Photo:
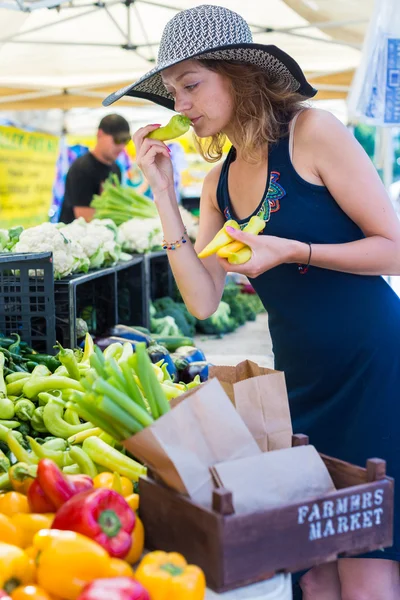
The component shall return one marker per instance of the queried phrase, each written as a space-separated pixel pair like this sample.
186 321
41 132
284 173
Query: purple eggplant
187 371
104 342
189 353
157 353
129 334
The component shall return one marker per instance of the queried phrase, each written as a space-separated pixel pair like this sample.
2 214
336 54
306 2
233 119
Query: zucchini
172 343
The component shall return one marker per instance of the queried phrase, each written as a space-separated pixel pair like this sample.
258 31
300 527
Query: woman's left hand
267 252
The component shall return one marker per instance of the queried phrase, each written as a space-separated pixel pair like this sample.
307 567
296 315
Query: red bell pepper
52 487
102 515
4 595
38 501
118 588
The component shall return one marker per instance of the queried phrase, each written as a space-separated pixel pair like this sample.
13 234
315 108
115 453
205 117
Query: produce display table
277 588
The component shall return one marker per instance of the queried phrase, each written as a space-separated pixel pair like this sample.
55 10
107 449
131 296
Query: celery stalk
122 400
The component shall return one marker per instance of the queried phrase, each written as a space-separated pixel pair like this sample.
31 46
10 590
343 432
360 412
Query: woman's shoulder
318 123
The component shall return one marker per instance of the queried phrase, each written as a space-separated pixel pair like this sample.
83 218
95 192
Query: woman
330 233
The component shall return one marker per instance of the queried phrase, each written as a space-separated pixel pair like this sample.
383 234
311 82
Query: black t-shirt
84 180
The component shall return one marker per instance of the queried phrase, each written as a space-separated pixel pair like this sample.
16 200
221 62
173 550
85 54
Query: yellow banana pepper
9 532
137 547
240 257
167 575
254 226
29 525
67 561
113 481
16 568
222 238
12 503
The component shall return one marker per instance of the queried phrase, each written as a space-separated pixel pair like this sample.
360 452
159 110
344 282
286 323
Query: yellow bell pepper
16 567
167 575
119 568
9 532
114 481
133 501
137 547
31 592
29 525
67 561
13 503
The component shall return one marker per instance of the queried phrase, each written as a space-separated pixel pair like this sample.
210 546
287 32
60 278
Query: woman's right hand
153 158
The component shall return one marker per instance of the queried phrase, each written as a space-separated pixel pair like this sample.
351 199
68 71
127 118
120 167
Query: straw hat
212 32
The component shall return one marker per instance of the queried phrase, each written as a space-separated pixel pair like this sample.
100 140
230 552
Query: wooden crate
236 550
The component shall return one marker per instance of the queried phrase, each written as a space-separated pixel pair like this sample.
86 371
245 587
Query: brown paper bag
201 430
260 397
274 478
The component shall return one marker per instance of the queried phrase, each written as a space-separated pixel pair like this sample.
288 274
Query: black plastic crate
27 298
102 298
161 280
132 299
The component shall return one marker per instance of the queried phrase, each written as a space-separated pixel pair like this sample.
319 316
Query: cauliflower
190 222
4 240
98 240
48 238
141 235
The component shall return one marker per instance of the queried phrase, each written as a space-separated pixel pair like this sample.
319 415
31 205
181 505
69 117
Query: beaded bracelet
175 245
304 268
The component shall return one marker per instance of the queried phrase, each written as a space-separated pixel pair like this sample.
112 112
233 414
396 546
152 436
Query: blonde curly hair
263 109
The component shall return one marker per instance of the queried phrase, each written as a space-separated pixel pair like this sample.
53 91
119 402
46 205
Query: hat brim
270 58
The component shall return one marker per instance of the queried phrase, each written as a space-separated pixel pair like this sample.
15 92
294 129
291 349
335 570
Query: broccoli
220 322
164 326
184 320
231 296
248 307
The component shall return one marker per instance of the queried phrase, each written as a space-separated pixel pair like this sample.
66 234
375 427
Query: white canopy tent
74 54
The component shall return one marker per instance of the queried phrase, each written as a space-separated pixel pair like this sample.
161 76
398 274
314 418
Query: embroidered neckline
270 203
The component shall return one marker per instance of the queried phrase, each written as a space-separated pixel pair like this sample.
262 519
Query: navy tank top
335 335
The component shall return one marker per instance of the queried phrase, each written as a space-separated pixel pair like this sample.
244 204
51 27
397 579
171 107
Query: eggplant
104 342
190 353
157 353
187 371
129 334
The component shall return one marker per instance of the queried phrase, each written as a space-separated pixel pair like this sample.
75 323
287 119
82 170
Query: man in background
87 173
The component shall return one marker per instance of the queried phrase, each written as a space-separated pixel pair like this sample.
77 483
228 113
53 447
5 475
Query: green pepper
35 385
51 362
22 455
16 377
45 397
15 347
37 420
7 408
56 444
3 388
24 409
55 423
24 428
177 126
83 460
67 357
15 387
4 462
41 371
61 458
10 424
71 417
5 482
102 454
72 469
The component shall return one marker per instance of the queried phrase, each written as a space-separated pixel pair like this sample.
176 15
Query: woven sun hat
212 32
